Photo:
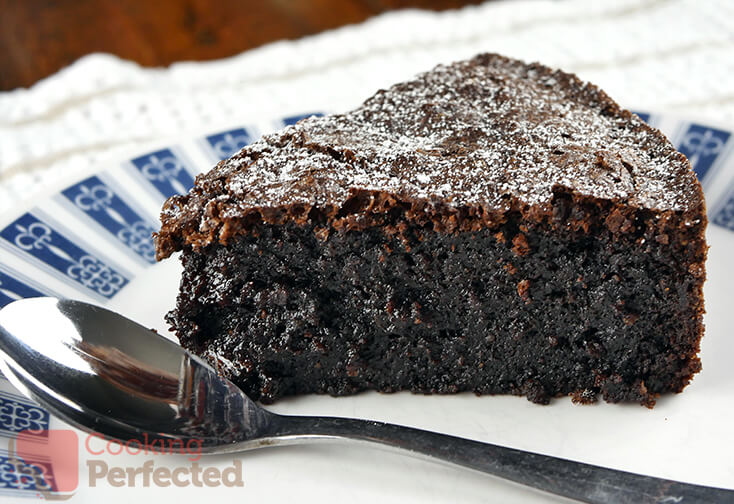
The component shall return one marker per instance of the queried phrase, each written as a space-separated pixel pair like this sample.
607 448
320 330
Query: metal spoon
104 373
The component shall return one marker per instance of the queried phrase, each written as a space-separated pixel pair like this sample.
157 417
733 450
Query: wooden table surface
38 37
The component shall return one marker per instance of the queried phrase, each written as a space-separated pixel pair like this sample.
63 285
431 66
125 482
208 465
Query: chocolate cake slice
490 226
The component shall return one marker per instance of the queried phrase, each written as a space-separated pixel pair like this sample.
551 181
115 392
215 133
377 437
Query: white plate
90 240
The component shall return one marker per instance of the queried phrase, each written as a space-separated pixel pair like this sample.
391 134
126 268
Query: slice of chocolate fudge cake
490 226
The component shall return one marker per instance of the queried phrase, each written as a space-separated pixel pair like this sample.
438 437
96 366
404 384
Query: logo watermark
47 461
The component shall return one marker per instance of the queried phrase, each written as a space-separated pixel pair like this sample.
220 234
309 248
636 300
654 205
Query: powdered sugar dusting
470 133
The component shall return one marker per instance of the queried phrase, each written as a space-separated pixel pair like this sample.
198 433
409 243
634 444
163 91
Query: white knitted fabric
670 56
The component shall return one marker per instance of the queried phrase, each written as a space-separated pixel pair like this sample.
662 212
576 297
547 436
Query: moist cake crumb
490 225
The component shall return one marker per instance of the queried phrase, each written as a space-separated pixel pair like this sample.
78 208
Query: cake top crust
478 133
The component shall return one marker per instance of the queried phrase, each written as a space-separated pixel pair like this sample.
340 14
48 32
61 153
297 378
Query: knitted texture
672 56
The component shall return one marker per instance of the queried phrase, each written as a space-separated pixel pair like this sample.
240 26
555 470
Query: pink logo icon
47 460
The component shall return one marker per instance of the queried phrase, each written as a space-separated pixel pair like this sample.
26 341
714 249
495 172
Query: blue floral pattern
17 474
37 238
294 119
227 143
643 115
12 289
101 203
725 215
166 171
17 415
702 145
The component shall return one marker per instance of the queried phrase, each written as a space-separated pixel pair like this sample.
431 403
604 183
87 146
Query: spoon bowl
104 373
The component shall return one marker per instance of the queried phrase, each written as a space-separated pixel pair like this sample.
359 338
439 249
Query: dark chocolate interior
587 298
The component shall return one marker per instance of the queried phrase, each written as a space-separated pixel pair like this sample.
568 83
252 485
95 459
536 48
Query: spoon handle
576 480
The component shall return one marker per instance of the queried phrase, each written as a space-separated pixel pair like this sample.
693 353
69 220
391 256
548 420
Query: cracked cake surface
468 135
534 164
